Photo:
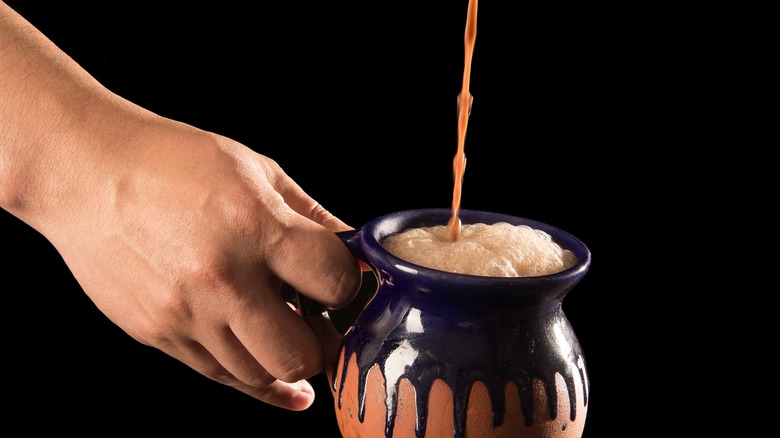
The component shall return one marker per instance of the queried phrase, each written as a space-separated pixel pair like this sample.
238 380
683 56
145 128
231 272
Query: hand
181 237
186 246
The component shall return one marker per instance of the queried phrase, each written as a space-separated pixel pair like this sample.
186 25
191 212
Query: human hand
186 247
181 237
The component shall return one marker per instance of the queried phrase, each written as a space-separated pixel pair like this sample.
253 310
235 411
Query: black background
357 102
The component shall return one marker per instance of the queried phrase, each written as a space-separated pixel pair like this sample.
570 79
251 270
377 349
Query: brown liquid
465 99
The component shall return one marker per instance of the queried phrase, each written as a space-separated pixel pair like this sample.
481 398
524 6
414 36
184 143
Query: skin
180 236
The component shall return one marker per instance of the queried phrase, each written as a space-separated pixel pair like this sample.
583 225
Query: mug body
435 353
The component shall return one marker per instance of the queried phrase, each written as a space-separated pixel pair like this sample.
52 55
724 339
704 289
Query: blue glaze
423 324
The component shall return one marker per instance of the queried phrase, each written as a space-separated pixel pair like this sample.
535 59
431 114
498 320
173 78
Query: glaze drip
423 337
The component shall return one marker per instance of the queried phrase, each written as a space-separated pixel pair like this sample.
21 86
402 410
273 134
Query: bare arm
180 236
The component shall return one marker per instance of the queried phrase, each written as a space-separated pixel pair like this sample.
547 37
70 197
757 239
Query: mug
435 353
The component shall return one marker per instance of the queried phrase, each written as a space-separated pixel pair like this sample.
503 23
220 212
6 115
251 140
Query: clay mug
439 354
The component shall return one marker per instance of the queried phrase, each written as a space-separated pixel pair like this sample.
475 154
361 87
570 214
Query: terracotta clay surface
440 414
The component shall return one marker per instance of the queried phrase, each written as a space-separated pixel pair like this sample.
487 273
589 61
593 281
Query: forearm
54 120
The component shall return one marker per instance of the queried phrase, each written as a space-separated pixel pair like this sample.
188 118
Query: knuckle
298 367
260 378
219 374
150 332
347 285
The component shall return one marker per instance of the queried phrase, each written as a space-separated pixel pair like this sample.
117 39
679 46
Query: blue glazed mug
435 354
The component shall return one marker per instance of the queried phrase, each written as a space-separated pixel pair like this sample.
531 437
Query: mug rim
382 226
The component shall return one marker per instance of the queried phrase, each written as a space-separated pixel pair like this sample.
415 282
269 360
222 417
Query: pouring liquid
465 100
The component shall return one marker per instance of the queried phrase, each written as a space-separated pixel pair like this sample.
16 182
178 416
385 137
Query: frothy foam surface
495 250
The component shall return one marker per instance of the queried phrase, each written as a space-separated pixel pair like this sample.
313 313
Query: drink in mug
490 250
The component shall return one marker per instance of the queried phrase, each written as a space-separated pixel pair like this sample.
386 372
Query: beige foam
495 250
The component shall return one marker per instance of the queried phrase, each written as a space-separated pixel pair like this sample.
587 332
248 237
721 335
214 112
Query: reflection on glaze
400 359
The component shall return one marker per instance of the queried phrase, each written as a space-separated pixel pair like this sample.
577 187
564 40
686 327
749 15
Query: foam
497 250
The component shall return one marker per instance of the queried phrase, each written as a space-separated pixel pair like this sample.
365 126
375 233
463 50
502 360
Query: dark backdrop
357 102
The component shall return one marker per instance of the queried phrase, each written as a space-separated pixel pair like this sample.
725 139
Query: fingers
296 396
328 273
329 338
310 257
262 347
319 214
230 364
303 204
287 348
246 335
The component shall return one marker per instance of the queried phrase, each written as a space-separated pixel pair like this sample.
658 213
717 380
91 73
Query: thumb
315 262
310 256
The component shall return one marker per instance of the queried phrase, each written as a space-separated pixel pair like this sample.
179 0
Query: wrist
57 121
